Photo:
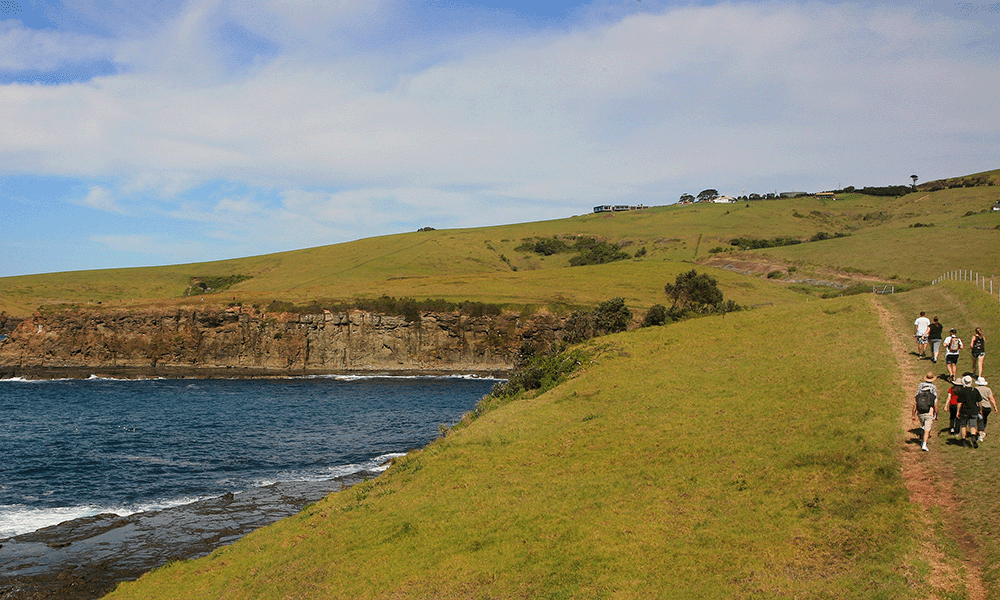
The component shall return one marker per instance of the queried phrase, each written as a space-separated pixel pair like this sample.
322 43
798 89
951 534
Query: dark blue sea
76 448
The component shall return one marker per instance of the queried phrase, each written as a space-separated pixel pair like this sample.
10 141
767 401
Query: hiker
920 327
953 409
978 344
925 406
968 411
988 404
952 346
934 338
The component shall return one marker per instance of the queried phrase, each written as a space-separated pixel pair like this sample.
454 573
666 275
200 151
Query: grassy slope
894 248
469 264
709 459
962 306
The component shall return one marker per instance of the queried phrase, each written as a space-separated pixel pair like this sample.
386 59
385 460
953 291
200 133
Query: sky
175 131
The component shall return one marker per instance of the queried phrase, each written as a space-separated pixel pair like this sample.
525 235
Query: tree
686 198
914 178
709 194
691 291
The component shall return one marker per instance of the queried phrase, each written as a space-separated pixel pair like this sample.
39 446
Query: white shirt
922 323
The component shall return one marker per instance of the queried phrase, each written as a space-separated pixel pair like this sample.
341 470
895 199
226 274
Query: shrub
599 254
656 315
580 326
775 275
612 316
748 243
540 373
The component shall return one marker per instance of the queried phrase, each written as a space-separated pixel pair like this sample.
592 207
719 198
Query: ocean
77 448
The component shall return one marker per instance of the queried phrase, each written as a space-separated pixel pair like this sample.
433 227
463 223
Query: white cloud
23 49
386 129
100 199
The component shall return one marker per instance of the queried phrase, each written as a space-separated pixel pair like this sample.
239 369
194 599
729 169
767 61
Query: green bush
612 316
540 373
599 254
656 315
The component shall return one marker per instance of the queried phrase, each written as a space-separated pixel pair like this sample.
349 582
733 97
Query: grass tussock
713 458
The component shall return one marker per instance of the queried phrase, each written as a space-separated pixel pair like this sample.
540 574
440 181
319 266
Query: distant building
826 196
723 200
618 208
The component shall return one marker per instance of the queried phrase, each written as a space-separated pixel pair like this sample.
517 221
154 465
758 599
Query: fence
973 278
885 289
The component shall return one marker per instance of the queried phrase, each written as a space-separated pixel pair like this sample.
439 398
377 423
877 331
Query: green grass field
976 473
715 458
755 455
483 264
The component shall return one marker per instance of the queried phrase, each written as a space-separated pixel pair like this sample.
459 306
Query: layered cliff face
238 338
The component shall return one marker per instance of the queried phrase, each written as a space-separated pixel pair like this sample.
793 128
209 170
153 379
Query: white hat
981 381
967 381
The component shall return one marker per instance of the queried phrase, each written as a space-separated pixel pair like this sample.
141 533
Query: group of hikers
970 400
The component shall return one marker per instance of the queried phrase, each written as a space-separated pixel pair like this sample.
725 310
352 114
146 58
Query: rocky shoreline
86 558
197 372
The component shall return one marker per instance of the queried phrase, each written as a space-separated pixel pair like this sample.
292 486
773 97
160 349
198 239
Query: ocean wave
17 519
369 377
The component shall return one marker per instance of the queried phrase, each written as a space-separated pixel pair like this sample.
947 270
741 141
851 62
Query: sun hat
967 381
931 377
981 381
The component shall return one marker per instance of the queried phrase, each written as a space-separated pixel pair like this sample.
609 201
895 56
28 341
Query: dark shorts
969 422
951 359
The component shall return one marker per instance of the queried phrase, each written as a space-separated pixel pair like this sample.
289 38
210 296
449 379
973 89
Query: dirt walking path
929 479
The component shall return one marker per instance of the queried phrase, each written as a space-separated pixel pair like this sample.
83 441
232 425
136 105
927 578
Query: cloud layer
302 123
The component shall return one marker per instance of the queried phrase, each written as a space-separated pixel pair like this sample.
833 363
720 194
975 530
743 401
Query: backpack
955 344
925 400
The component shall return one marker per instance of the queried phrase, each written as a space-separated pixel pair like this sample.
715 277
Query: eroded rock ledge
237 342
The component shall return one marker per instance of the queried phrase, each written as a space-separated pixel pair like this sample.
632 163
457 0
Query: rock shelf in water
86 558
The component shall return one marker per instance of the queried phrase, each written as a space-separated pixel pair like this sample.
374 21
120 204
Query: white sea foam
16 519
23 380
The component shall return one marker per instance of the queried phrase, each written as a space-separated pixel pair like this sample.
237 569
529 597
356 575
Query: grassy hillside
756 455
484 264
977 476
714 458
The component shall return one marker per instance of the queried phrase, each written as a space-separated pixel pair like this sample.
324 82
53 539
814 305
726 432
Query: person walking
920 327
978 344
969 411
934 335
925 407
952 346
988 404
953 409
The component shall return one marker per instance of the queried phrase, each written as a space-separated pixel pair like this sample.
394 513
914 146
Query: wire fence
980 281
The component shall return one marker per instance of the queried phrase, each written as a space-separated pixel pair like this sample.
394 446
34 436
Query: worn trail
929 479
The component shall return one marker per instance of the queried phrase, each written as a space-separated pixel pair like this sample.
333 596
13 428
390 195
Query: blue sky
162 132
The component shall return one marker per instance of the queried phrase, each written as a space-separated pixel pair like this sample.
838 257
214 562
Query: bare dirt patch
929 482
755 264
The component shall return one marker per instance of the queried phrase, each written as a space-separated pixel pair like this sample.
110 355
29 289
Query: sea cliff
239 341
